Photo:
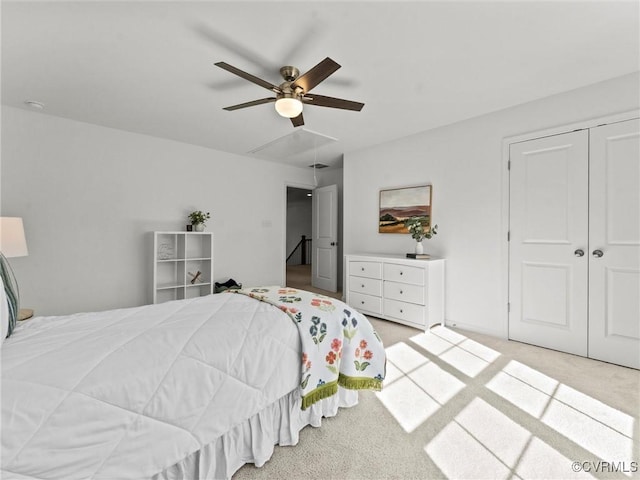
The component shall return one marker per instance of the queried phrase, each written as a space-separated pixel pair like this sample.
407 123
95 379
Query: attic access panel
298 141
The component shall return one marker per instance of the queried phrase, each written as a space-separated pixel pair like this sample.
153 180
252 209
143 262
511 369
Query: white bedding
186 389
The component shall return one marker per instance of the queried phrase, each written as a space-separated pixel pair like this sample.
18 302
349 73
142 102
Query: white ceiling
147 67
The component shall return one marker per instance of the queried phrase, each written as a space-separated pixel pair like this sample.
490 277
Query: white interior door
614 233
548 250
324 266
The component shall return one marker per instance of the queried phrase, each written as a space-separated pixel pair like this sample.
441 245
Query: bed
189 389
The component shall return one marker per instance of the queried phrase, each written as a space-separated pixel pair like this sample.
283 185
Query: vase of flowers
418 231
198 220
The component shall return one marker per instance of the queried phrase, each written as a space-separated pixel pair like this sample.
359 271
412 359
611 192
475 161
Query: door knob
333 244
597 253
579 252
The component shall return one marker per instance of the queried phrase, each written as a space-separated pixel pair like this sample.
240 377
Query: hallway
299 276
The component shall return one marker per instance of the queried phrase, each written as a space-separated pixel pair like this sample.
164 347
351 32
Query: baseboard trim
476 329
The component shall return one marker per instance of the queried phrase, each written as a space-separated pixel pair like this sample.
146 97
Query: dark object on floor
230 284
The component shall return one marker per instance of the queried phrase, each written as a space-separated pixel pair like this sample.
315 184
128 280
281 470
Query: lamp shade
289 107
12 240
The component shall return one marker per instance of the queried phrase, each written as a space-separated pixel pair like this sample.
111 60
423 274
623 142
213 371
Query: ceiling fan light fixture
289 107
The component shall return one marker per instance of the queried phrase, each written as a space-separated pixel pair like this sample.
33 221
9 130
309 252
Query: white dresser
396 288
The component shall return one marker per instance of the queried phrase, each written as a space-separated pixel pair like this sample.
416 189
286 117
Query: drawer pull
363 269
400 272
362 302
400 292
362 286
401 311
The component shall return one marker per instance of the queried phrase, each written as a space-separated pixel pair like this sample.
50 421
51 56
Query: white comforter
129 393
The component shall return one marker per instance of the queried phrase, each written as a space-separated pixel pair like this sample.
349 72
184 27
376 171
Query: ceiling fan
293 93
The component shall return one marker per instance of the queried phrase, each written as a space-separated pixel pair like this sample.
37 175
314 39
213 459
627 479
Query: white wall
464 163
90 195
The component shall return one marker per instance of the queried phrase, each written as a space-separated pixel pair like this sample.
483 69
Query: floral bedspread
339 345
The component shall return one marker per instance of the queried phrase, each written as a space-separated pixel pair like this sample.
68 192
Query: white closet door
614 230
548 248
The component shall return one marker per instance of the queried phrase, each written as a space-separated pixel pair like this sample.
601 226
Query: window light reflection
462 353
408 403
478 461
415 388
600 429
404 357
495 446
519 393
491 442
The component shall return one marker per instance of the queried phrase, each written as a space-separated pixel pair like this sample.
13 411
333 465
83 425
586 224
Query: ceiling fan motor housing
289 73
287 91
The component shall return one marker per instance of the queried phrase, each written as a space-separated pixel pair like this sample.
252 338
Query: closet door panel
614 243
548 225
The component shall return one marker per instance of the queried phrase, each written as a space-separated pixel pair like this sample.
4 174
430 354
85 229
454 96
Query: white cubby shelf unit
177 257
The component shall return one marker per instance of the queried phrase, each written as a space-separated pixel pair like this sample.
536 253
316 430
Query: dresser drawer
366 269
406 312
370 286
365 303
404 292
403 273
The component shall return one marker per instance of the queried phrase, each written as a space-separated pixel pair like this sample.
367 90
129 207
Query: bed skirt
253 441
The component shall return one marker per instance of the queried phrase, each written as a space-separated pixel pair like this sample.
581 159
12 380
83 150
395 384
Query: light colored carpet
299 276
463 405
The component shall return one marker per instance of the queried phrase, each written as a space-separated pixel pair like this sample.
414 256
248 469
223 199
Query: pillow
8 299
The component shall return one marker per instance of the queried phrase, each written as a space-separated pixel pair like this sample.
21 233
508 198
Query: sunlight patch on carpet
519 393
404 357
436 383
408 403
478 462
495 446
488 439
415 388
462 353
600 429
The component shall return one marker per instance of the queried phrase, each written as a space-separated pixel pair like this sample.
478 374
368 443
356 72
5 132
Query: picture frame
399 204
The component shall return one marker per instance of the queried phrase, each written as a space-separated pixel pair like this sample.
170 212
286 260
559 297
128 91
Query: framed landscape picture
399 204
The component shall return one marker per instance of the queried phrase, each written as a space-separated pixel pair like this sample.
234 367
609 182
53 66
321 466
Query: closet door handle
579 253
597 253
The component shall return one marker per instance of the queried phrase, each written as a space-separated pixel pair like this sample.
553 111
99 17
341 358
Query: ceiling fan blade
248 76
316 75
234 47
250 104
297 121
322 101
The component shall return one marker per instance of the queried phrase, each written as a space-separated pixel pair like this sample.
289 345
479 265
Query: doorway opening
298 248
299 245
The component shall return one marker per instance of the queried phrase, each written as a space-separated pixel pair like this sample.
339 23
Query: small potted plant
198 219
418 232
